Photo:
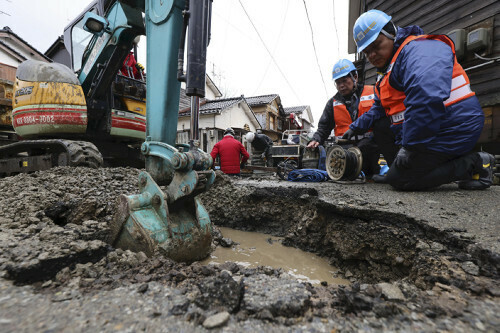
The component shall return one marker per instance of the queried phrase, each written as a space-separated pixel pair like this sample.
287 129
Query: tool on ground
308 175
344 164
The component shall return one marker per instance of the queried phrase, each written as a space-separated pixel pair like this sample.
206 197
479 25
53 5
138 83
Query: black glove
402 160
242 165
349 134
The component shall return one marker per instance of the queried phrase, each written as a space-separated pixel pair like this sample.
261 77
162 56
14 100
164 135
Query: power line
314 47
275 46
2 12
267 49
336 31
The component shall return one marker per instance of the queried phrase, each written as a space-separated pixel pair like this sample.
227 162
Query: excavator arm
173 221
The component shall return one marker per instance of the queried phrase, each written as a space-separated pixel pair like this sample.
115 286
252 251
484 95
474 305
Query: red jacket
229 150
130 63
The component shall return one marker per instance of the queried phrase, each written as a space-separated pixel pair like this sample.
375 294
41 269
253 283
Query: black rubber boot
484 176
379 179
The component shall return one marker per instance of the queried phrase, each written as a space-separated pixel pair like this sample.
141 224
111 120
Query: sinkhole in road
367 245
253 249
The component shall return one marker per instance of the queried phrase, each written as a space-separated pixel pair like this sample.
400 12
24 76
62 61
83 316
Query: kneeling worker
261 142
350 102
426 94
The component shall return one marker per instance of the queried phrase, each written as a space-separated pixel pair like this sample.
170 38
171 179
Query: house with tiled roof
13 51
58 52
215 116
298 117
270 113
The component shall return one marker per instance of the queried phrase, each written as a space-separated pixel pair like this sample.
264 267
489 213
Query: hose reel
344 164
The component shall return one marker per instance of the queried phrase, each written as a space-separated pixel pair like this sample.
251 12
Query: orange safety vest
392 99
341 114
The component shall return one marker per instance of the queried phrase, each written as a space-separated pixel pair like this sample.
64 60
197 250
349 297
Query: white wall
8 60
21 49
209 94
235 116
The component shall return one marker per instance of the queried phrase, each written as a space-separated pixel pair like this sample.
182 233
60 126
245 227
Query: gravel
418 261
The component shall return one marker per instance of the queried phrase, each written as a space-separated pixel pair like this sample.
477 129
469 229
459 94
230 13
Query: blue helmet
368 26
342 68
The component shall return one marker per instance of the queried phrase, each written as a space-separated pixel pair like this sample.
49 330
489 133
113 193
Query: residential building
58 52
215 116
298 117
270 114
13 51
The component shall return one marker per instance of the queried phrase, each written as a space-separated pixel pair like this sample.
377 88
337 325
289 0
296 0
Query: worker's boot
484 176
379 179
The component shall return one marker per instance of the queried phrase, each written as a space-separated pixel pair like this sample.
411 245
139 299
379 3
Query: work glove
263 156
242 165
349 134
313 144
402 160
139 67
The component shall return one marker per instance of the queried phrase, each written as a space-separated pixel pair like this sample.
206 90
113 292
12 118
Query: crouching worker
229 150
263 143
426 94
350 102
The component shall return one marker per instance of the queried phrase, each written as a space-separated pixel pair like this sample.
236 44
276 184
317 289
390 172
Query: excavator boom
173 222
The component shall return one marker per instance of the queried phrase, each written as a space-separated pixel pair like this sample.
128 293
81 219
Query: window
280 124
182 137
79 41
271 122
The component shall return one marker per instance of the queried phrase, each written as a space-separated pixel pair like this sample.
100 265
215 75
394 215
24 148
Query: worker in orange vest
351 101
426 94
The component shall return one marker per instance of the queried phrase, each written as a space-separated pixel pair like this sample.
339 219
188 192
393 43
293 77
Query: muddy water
256 249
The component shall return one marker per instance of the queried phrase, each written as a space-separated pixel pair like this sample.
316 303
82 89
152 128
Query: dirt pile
54 240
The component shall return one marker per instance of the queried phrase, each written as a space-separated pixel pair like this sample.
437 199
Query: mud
410 268
253 249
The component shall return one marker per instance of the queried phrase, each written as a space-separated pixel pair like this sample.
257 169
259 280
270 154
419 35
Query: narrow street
415 261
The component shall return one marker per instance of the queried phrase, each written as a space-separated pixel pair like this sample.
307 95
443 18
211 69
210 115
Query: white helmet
229 131
250 136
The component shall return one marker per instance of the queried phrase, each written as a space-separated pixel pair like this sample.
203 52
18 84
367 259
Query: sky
257 47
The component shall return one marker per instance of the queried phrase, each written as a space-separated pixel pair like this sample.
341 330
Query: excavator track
36 155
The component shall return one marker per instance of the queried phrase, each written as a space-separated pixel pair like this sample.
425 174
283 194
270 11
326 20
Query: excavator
51 101
89 119
63 119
